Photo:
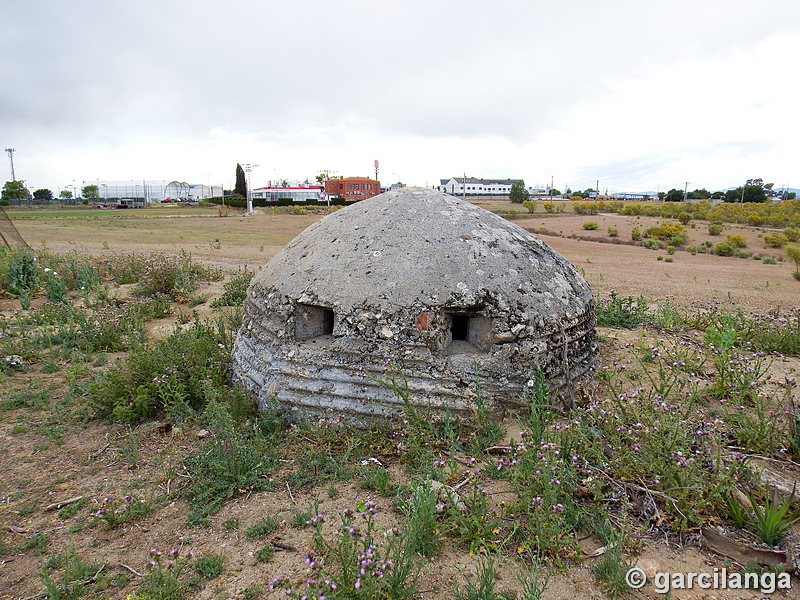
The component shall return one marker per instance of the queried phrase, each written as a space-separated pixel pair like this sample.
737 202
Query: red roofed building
352 188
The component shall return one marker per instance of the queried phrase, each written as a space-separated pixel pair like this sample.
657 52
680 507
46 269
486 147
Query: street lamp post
247 168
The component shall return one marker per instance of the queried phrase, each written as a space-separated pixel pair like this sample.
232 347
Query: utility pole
11 158
464 188
686 191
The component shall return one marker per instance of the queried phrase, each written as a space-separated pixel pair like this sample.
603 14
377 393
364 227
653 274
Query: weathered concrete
442 288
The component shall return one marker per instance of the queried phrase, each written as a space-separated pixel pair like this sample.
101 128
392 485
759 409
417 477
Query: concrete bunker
440 288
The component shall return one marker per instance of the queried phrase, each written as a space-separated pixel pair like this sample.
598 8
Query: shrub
670 250
585 208
768 260
793 252
234 290
613 231
549 207
672 232
636 235
776 240
622 313
530 205
590 225
651 244
238 458
792 234
209 566
724 249
19 274
737 240
754 219
684 218
179 374
715 229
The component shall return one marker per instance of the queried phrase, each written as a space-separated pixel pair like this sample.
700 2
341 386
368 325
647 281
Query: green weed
773 520
209 566
73 578
165 578
265 553
267 525
622 313
611 571
237 458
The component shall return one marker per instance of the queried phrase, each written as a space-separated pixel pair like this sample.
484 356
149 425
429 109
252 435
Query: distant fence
9 233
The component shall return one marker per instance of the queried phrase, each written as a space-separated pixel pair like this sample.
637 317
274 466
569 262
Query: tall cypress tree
241 182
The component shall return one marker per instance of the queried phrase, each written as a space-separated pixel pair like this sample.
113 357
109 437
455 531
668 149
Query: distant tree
15 191
702 194
789 195
240 189
752 191
519 192
553 192
718 196
90 192
65 195
43 195
674 195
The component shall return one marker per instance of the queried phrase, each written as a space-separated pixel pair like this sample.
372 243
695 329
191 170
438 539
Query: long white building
473 186
152 190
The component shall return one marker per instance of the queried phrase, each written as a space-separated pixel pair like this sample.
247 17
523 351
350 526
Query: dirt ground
41 465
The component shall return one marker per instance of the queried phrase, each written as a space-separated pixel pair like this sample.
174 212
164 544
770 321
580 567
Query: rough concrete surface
421 287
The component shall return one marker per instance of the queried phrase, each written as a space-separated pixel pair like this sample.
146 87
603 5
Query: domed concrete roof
440 284
410 245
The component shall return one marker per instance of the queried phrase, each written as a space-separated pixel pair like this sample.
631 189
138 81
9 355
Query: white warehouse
473 186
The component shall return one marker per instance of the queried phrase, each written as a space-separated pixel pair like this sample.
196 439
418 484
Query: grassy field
132 469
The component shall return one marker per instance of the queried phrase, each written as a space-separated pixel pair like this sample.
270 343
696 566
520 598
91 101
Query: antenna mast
11 158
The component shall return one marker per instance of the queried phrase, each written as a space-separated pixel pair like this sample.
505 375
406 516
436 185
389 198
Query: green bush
724 249
613 231
585 208
715 228
651 244
737 240
238 458
209 566
636 235
622 313
776 240
234 290
179 374
18 271
590 225
792 234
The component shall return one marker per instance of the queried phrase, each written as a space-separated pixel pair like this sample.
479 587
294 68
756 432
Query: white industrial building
472 186
150 190
297 193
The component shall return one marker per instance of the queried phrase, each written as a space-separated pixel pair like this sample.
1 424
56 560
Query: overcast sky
642 95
